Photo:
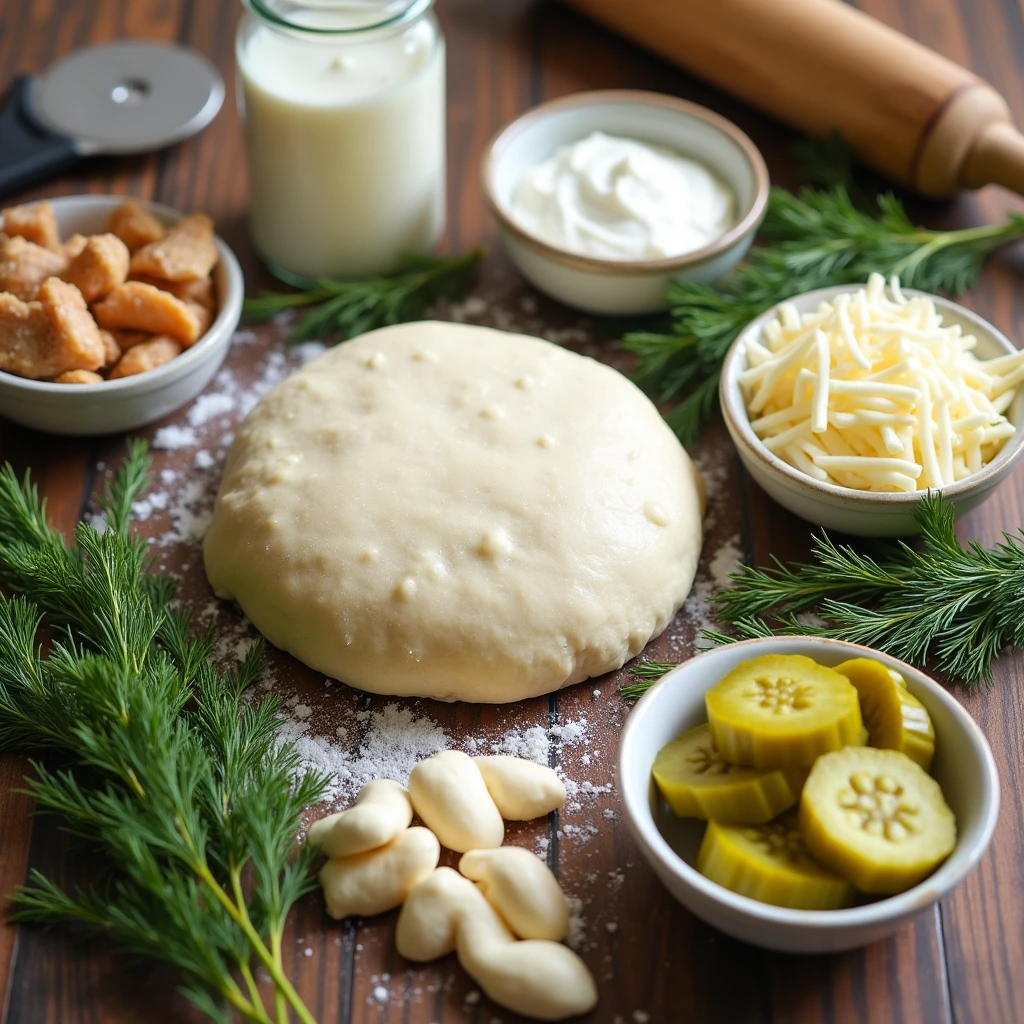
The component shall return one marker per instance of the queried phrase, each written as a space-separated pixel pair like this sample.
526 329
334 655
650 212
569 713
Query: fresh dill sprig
179 785
952 607
647 673
814 239
348 308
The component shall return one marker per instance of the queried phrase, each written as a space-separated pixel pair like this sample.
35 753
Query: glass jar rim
412 10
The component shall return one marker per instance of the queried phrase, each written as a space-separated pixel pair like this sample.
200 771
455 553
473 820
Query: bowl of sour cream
602 198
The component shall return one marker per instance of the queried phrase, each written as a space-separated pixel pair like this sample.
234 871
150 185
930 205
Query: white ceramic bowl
129 402
623 287
864 513
963 766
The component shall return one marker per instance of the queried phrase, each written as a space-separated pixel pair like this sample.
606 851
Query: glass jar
344 112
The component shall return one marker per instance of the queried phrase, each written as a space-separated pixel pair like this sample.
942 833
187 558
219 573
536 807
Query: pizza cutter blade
117 98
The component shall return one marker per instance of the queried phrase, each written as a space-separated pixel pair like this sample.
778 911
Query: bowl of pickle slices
806 795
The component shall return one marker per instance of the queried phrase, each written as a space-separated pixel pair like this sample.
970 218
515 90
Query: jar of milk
344 112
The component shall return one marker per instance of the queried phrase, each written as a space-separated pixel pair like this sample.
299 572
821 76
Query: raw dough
450 511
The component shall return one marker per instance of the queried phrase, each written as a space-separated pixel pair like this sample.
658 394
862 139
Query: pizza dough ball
449 511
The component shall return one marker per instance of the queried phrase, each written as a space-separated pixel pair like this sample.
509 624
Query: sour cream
621 199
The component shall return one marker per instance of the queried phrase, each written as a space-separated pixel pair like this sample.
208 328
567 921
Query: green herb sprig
814 239
348 308
647 673
174 780
942 605
952 607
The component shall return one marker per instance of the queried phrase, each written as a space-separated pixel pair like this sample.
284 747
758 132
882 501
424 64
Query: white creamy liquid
621 199
346 148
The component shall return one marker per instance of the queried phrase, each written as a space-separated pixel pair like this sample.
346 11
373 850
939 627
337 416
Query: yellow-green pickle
770 863
894 717
697 783
782 711
877 817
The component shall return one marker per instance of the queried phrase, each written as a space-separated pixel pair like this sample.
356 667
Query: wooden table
962 961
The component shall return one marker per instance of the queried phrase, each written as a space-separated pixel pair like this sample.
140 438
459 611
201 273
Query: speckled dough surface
450 511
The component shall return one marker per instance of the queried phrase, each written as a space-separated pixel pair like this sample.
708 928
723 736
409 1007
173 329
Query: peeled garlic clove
534 977
381 811
521 887
448 793
521 789
378 880
429 922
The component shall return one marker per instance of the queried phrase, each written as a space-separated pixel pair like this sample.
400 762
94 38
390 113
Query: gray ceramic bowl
963 766
623 287
130 402
863 513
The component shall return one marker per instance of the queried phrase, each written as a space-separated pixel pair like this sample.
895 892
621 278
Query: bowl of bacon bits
113 312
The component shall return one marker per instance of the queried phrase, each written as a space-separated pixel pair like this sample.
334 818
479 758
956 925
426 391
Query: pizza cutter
116 98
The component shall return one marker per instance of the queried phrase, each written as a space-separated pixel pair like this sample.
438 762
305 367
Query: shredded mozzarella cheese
874 392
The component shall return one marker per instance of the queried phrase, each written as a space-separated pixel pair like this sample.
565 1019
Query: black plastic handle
29 153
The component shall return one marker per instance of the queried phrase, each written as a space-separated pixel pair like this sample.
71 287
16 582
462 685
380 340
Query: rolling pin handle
996 158
29 153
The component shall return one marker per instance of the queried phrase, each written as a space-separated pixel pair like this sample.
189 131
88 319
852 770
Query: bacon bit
185 253
147 356
78 377
199 290
36 222
45 338
24 266
135 225
145 308
111 349
100 267
74 245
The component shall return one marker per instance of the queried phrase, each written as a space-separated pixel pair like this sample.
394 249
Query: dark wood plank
16 813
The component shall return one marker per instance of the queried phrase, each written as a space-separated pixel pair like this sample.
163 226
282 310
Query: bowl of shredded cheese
847 404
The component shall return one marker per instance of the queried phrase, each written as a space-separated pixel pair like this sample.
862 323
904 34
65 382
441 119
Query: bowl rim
222 327
745 225
738 421
949 874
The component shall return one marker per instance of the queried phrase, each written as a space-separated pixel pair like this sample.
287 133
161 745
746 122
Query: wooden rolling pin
820 65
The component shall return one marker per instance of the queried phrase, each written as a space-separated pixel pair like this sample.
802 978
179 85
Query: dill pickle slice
697 783
895 718
770 863
876 817
782 711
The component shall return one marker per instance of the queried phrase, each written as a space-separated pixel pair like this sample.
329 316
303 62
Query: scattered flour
172 437
698 608
145 507
309 350
577 936
209 406
532 744
391 741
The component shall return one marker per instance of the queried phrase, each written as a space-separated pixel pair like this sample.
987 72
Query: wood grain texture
962 962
